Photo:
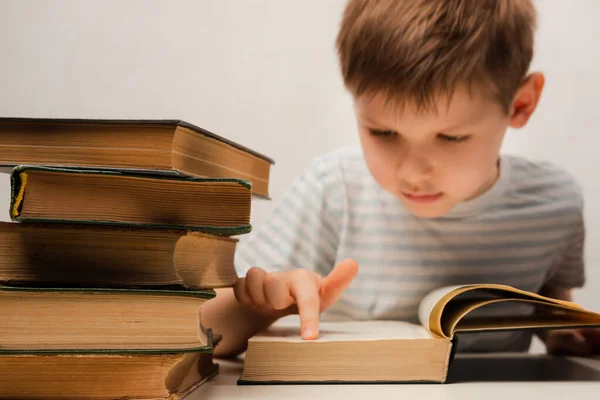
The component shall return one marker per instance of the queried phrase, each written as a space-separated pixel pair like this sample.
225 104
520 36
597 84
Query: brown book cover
114 256
166 145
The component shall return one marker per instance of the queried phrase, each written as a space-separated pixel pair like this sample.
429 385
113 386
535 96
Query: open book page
347 331
497 307
516 313
430 301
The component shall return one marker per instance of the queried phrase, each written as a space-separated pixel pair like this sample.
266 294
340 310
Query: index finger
305 290
337 281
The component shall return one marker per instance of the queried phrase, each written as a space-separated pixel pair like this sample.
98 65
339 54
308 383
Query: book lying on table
100 320
394 351
104 376
115 256
166 145
123 198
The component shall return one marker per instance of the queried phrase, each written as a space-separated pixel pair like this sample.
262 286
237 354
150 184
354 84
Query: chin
427 211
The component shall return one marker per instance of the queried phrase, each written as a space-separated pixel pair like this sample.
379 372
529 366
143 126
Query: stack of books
124 229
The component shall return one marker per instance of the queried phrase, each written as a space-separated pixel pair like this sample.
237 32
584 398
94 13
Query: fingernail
308 333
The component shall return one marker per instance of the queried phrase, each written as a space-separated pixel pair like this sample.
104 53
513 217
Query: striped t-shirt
526 231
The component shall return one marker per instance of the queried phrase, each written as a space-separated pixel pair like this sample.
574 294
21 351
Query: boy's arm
296 247
578 342
235 322
555 293
260 299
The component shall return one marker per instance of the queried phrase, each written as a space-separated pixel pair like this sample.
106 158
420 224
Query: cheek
380 160
470 167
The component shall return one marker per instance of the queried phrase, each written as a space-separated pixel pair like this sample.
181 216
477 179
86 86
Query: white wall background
264 73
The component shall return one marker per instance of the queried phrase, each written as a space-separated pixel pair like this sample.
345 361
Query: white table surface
224 386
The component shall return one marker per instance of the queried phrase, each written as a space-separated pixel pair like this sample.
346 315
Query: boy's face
433 160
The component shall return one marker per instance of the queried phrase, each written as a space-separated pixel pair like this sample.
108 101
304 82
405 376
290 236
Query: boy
426 201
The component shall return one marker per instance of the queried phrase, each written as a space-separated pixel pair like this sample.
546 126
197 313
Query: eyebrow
455 127
370 121
458 126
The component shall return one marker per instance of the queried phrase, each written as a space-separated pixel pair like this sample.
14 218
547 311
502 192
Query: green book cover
219 206
200 294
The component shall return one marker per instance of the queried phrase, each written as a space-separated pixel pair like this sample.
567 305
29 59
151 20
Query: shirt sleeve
302 230
570 271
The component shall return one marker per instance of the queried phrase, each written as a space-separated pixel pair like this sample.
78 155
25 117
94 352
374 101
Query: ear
526 99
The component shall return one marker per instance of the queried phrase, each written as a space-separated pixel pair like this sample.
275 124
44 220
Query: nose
414 168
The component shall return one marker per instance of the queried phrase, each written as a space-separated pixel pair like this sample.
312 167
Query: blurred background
264 73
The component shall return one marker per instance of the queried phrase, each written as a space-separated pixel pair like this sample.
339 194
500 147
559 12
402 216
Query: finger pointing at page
315 294
304 287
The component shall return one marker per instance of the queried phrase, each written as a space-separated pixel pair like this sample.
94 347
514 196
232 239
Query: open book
394 351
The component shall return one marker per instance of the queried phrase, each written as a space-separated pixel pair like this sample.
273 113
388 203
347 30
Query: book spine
18 181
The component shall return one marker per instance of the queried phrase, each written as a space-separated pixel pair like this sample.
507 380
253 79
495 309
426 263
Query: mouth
423 198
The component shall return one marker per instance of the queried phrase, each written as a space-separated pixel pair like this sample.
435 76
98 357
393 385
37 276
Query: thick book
166 145
395 351
100 320
217 205
98 255
124 375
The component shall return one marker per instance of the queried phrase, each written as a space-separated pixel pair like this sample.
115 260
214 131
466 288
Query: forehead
462 106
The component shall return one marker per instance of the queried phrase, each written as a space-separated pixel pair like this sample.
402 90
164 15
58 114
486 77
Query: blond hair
417 50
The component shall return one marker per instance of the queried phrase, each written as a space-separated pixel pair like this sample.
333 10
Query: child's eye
453 139
376 132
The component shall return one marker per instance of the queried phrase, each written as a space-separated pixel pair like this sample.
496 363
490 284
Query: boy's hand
583 342
297 291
